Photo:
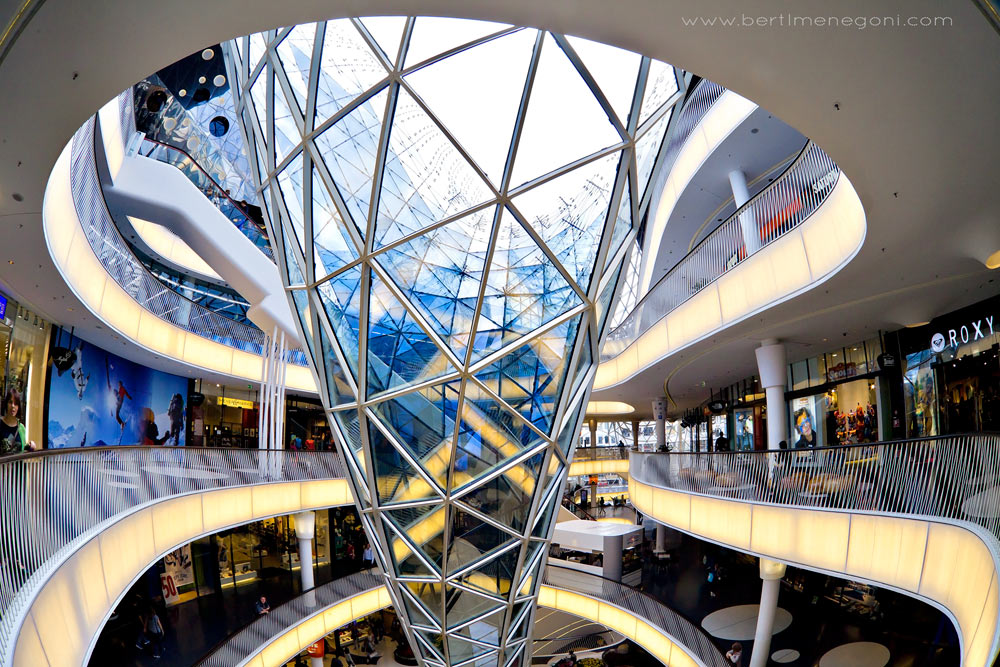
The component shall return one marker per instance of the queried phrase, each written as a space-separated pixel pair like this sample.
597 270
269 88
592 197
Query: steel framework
450 203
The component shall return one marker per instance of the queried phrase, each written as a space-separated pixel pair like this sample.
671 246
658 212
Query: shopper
154 630
12 435
368 556
735 655
263 606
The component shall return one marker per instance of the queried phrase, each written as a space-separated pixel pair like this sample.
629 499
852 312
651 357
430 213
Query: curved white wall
951 566
796 262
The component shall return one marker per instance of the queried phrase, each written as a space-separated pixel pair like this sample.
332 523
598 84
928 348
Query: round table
783 655
189 473
739 623
856 654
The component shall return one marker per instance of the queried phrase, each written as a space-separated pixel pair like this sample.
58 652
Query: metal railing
601 453
577 509
645 607
949 477
261 631
56 500
183 161
125 268
777 209
249 639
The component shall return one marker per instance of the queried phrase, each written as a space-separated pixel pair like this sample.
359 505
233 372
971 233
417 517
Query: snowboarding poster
97 399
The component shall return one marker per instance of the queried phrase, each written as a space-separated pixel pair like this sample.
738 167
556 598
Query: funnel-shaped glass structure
451 203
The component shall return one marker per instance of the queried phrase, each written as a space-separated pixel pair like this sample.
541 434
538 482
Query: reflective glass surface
459 198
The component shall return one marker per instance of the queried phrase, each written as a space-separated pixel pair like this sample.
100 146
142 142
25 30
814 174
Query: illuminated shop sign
3 307
236 403
966 333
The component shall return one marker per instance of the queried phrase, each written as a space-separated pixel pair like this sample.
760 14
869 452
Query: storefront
838 398
950 372
24 341
744 423
259 550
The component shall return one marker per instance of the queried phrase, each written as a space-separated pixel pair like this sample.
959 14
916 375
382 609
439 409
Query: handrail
164 152
247 639
57 500
783 205
124 267
615 453
578 510
644 606
947 477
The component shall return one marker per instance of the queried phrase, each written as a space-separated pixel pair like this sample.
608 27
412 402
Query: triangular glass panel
564 121
404 559
341 300
422 602
387 32
615 71
461 606
347 421
516 656
546 513
517 610
396 479
496 576
293 258
460 650
623 224
400 353
303 311
433 35
530 378
349 148
259 102
507 497
520 629
472 538
287 134
339 389
423 421
440 272
258 44
431 643
290 191
569 214
569 435
348 67
476 94
333 246
524 290
488 436
660 85
583 364
646 149
605 301
425 178
423 525
295 52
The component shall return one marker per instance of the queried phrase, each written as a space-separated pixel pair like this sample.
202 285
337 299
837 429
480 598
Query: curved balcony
797 232
289 629
920 517
599 460
99 266
90 521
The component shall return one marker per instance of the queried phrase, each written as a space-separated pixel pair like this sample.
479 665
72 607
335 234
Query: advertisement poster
97 399
178 575
805 433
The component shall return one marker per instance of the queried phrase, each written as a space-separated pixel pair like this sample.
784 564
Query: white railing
56 500
246 641
952 477
777 209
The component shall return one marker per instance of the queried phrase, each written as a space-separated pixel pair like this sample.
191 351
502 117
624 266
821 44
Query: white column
305 530
661 538
593 443
771 573
748 226
772 368
660 417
